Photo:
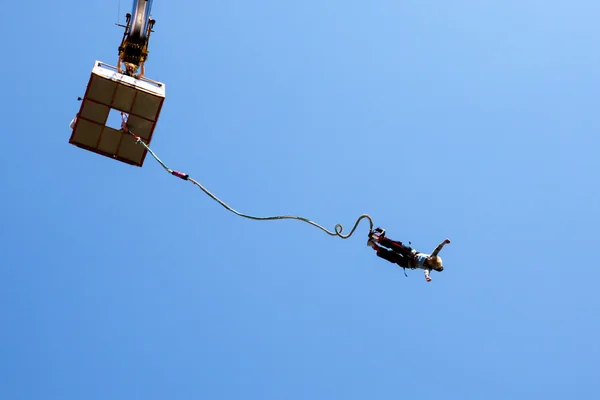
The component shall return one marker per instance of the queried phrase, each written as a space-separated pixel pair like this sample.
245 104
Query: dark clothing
393 257
396 246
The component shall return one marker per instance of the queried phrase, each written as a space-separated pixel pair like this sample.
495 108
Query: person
130 69
405 256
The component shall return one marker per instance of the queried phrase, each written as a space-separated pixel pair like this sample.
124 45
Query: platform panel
147 106
129 150
142 127
95 112
141 99
110 140
123 98
101 90
86 133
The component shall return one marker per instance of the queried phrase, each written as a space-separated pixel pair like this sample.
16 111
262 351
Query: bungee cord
338 229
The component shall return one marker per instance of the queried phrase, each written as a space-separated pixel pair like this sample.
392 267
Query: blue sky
472 120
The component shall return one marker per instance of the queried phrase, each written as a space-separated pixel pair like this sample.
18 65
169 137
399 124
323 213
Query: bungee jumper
405 256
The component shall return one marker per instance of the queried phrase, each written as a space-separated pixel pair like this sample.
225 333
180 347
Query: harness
412 262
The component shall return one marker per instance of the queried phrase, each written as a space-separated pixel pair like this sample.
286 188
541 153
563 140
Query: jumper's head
435 262
130 68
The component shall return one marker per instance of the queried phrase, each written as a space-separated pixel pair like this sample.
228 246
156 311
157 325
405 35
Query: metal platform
107 90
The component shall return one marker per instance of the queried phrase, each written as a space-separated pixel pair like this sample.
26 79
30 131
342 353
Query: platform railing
144 79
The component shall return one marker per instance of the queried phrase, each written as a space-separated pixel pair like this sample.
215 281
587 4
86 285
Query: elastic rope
338 227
